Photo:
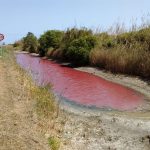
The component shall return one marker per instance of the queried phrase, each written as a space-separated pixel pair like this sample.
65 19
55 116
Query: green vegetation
127 53
77 44
49 40
49 118
30 43
54 143
46 105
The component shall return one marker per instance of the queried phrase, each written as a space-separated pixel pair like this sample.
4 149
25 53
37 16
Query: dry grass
46 106
127 53
121 60
49 117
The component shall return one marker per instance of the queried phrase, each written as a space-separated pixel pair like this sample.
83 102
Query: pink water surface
80 87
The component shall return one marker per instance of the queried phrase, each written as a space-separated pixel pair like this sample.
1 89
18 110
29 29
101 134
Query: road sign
1 49
1 37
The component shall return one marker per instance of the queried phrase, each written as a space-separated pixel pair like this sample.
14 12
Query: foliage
79 49
45 106
54 143
50 39
133 39
73 34
76 45
121 52
105 40
30 43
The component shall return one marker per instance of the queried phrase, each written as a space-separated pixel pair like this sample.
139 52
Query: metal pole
1 53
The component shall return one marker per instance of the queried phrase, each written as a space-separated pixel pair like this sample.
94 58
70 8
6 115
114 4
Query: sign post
1 49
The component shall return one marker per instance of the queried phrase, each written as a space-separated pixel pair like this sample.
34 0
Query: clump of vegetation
125 52
50 39
18 44
77 44
54 143
135 39
46 105
30 43
105 40
79 49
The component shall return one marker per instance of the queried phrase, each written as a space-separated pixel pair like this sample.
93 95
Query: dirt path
18 122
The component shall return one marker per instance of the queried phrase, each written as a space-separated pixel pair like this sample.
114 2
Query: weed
45 106
54 143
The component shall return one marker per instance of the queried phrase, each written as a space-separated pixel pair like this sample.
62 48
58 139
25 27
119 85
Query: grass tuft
45 105
54 143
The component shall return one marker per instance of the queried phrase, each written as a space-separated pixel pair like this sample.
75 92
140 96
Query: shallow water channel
79 87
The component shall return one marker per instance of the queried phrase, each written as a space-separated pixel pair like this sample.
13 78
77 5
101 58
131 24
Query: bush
105 40
127 52
77 44
50 39
72 34
79 49
122 60
30 43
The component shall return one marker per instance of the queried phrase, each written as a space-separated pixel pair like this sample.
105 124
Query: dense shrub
77 44
127 53
30 43
79 49
105 40
73 34
50 39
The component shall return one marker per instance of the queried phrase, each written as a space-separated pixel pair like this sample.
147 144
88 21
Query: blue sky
20 16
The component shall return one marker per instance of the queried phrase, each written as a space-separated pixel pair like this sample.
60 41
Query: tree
30 43
50 39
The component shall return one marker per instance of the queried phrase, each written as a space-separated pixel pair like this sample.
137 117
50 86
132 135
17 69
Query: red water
80 87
